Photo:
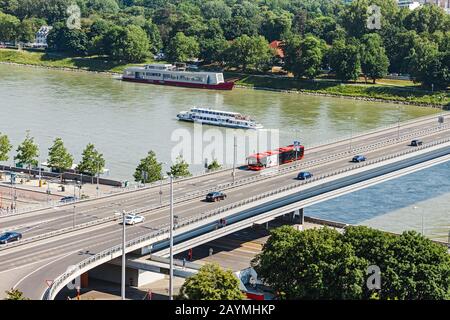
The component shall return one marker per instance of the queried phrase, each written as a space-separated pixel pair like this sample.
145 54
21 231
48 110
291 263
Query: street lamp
234 157
351 131
415 208
160 187
123 255
74 216
171 239
399 108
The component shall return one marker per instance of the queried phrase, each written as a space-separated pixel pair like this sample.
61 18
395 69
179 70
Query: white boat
219 118
171 75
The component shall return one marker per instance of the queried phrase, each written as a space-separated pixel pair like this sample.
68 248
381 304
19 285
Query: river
126 120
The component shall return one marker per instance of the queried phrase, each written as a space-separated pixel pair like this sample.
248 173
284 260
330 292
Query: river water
126 120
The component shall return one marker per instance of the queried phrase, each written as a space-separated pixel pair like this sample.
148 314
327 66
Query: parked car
359 158
68 199
215 196
9 237
416 143
132 219
304 175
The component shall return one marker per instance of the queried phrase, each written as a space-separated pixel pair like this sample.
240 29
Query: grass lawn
385 89
94 63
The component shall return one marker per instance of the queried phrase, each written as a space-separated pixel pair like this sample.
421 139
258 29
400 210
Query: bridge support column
84 279
298 216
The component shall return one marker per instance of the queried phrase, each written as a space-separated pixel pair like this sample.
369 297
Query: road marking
45 265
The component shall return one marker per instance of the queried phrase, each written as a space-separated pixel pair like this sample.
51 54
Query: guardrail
164 229
225 186
200 174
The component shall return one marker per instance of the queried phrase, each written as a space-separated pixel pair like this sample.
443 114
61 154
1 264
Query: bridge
87 234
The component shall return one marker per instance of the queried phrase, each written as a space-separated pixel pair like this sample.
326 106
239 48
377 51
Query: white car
133 219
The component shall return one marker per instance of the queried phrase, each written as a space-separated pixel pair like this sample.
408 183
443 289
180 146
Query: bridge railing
164 229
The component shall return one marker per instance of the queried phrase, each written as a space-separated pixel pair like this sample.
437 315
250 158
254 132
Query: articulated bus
259 161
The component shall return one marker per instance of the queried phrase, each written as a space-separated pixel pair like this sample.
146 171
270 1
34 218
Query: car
416 143
132 219
9 237
358 158
304 175
68 199
215 196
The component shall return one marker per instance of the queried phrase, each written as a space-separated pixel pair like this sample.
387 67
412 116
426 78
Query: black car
304 175
215 196
416 143
68 199
9 237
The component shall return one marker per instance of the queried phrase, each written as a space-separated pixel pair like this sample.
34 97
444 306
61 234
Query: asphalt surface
27 267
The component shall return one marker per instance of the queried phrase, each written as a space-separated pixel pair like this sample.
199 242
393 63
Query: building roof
277 45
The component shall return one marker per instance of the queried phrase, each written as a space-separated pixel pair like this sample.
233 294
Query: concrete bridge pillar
298 216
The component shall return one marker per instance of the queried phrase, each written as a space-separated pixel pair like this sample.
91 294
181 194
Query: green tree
15 294
429 66
345 61
428 18
131 44
5 147
182 48
249 52
27 152
313 264
180 168
374 62
211 283
70 41
149 169
276 24
214 165
154 36
92 161
303 57
28 29
9 27
58 157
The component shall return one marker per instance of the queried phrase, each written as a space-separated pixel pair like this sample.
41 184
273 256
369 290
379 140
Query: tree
58 157
5 147
211 283
428 18
28 29
154 36
249 52
131 44
345 61
276 24
15 294
103 6
429 66
27 152
322 263
180 168
182 48
374 62
304 57
214 165
92 161
9 27
149 169
313 264
70 41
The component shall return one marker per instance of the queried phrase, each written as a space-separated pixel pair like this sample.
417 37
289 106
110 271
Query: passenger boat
171 75
219 118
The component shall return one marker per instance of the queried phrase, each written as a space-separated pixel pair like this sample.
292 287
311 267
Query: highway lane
44 221
97 240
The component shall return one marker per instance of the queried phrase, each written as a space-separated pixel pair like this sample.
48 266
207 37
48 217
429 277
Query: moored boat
170 75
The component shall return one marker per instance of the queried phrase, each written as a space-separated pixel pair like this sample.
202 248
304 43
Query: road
28 266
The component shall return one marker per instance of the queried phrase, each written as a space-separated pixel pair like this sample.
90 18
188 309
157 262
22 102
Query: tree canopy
324 264
211 283
92 161
149 169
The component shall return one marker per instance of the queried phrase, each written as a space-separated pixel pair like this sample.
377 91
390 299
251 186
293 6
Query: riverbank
381 93
392 93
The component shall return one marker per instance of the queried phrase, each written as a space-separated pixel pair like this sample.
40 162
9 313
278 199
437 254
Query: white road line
45 265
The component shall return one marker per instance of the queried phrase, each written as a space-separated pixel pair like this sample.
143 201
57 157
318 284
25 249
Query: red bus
273 158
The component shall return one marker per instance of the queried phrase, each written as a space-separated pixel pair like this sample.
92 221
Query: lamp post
351 131
423 230
74 207
399 108
123 256
171 240
160 187
234 157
